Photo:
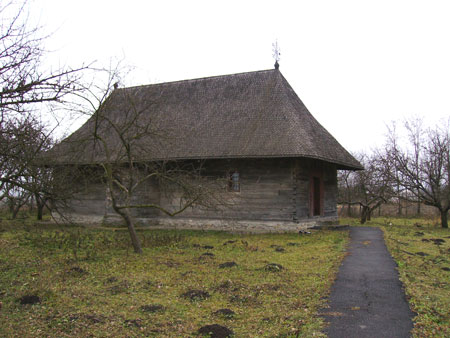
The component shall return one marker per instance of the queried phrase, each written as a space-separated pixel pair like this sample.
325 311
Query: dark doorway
316 196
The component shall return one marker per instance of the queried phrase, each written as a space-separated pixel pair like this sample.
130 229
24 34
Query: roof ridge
200 79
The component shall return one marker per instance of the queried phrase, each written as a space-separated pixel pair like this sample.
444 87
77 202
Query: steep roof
246 115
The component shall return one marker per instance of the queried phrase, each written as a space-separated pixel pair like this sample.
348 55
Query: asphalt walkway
367 299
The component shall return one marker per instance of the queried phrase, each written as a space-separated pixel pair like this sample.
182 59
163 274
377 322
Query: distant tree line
415 169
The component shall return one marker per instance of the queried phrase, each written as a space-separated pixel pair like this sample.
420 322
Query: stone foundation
231 225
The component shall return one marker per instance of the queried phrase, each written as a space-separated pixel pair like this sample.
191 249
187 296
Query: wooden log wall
270 190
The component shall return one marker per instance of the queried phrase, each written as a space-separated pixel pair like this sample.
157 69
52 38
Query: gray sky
356 64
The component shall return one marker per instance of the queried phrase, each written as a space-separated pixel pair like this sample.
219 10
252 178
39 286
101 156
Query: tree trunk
364 214
124 213
444 218
40 207
349 210
15 211
40 211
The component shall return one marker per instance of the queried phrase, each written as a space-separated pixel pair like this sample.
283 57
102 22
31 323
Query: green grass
92 284
424 269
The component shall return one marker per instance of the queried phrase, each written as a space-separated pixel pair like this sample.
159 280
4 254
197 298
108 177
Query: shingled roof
246 115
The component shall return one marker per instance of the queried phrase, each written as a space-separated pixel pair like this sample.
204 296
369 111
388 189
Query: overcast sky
357 65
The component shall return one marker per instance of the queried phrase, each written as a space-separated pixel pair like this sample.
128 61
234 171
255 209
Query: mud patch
152 308
196 295
229 242
227 265
77 271
436 241
206 256
215 331
133 322
29 300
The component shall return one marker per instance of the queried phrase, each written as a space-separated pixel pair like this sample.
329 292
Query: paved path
367 299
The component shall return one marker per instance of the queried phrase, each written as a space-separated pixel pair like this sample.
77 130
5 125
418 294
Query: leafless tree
22 174
26 87
122 143
346 187
368 188
23 80
16 198
424 165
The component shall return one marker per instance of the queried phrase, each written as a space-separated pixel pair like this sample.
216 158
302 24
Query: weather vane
276 53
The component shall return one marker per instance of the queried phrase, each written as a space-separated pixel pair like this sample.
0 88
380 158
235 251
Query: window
234 183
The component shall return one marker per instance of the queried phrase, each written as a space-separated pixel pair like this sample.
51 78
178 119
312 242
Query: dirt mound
198 246
229 242
76 271
29 299
152 308
437 241
206 255
227 265
133 322
215 331
195 295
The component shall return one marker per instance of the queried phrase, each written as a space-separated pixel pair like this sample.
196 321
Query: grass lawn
422 251
89 283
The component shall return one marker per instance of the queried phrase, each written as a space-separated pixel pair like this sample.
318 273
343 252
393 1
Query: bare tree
22 174
346 187
120 148
16 198
424 165
23 82
26 87
368 188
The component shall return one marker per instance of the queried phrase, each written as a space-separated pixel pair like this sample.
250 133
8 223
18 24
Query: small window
234 183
